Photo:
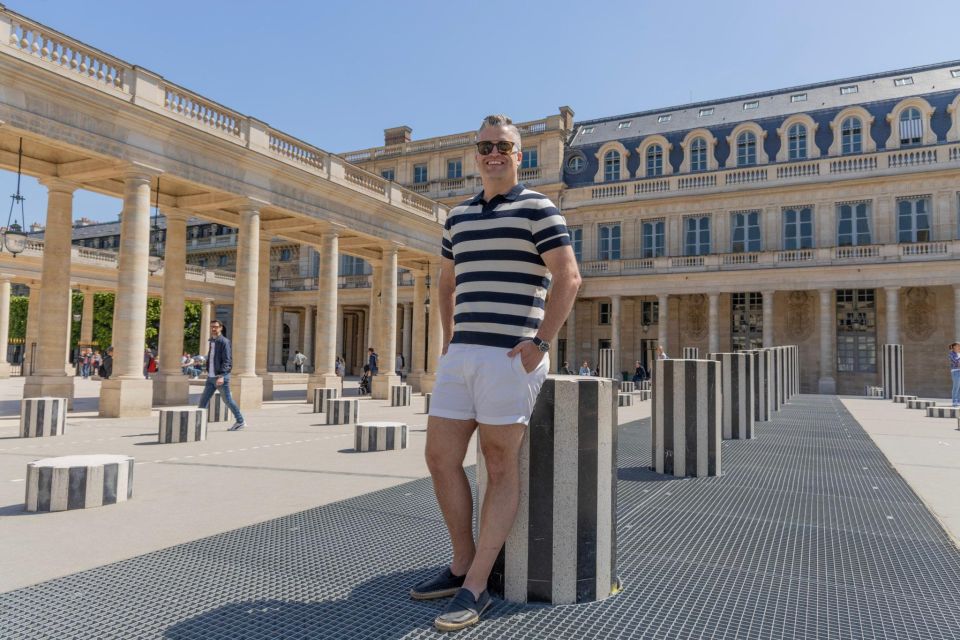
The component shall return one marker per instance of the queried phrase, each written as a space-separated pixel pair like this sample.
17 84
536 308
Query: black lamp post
155 262
14 237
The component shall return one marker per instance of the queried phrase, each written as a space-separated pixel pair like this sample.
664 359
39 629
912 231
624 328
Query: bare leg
501 449
447 442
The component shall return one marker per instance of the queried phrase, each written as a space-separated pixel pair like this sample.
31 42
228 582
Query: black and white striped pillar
342 411
902 398
182 424
426 402
686 418
646 385
691 353
625 399
892 363
762 387
562 548
78 482
873 392
607 365
320 397
943 412
627 387
41 417
643 394
400 395
795 354
921 404
775 378
217 409
379 436
737 388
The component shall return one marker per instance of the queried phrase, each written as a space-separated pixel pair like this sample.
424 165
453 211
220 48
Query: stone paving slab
808 534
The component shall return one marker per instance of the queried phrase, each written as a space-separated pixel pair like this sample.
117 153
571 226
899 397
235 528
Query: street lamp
155 262
14 238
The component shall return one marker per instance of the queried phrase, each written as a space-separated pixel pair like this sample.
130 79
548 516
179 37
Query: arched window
797 142
746 149
654 160
575 164
851 136
911 127
698 155
611 166
285 255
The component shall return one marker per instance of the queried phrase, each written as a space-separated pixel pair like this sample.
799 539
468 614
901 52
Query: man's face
497 166
215 329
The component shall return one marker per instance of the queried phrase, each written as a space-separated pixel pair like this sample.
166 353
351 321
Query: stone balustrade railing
942 155
404 279
827 256
39 45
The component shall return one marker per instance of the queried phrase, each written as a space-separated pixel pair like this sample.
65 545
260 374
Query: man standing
498 254
298 360
373 360
219 364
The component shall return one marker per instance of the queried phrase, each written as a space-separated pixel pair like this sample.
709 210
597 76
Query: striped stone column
686 418
320 397
776 377
217 410
921 404
400 395
426 402
892 367
562 548
342 411
182 424
943 412
627 387
902 398
607 364
763 386
379 436
691 353
874 392
737 388
78 482
41 417
625 399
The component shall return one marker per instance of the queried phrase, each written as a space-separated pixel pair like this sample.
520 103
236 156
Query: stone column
663 318
33 327
713 323
324 361
767 319
572 339
126 394
263 318
340 330
827 383
276 340
893 314
4 325
309 330
418 339
435 332
247 388
86 321
170 386
373 319
615 336
388 320
407 335
50 377
208 311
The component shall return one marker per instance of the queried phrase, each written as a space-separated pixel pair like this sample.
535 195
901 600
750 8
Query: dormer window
850 88
955 73
753 104
664 118
706 111
587 130
798 97
625 124
903 82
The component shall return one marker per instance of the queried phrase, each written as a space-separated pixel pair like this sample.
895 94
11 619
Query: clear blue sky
337 73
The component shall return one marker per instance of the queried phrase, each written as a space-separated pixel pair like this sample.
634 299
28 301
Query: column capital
251 205
140 171
5 277
329 234
171 213
713 295
894 289
58 185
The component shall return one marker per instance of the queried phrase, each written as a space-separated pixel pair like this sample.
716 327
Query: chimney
396 135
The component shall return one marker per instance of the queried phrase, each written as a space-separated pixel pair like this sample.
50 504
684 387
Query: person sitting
639 373
585 369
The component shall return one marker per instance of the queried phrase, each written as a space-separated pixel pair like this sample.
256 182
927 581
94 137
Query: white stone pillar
767 319
126 394
4 325
324 362
247 388
827 383
374 338
662 319
615 335
340 330
713 323
170 386
435 332
86 321
33 327
418 343
407 335
207 315
263 318
571 355
309 331
388 319
50 377
893 314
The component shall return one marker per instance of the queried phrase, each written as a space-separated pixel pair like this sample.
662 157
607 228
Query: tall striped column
762 390
691 353
607 364
737 385
562 548
686 418
776 377
892 361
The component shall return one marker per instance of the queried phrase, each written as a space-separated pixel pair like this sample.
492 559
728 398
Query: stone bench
426 402
902 399
78 482
921 404
943 412
400 395
182 424
320 397
627 387
625 400
217 410
686 418
41 417
874 392
643 395
379 436
342 411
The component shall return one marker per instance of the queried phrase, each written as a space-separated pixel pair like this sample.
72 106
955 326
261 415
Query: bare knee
442 462
501 465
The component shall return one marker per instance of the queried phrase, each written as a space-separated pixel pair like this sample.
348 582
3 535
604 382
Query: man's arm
445 300
227 356
563 290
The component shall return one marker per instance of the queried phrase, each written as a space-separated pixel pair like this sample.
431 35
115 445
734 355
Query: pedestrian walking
219 364
298 361
373 361
661 354
955 373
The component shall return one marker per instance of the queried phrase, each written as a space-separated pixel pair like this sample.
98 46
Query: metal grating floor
809 534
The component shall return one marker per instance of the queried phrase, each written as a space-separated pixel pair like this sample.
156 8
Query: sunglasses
485 148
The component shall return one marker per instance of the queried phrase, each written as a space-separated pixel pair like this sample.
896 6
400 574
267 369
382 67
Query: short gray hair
500 120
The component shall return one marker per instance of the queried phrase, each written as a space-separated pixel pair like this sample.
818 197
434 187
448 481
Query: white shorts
484 384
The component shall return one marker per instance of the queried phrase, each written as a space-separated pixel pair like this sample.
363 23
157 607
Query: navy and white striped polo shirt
501 279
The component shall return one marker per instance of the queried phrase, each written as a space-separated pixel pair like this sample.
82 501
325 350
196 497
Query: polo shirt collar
509 196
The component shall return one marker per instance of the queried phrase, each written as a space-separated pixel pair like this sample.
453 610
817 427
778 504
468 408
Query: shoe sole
433 595
440 625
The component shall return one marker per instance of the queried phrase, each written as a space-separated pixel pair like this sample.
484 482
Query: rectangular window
454 169
653 239
850 88
697 232
856 331
604 313
913 219
798 97
853 224
419 173
744 231
903 82
609 236
576 241
625 124
587 130
798 228
746 320
530 159
664 118
753 104
388 174
955 73
649 313
708 111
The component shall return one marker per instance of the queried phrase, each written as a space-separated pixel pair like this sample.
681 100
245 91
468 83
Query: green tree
103 319
191 330
18 317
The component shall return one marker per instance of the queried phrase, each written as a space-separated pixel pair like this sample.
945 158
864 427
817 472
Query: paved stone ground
809 534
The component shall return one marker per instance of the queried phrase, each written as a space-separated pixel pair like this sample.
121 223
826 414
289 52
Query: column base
267 386
126 398
827 386
382 383
52 386
247 392
171 389
4 370
414 381
323 381
427 381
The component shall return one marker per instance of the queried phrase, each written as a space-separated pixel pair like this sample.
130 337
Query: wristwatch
543 345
